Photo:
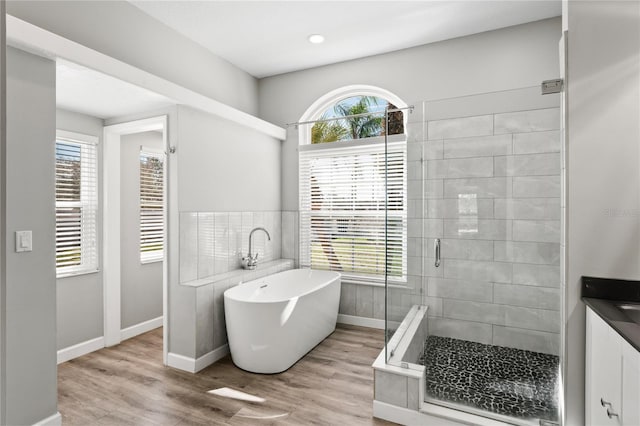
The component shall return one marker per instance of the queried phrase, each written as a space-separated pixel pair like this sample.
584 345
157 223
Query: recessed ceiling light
316 38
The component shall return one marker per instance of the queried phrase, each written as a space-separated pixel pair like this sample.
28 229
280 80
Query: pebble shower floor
506 381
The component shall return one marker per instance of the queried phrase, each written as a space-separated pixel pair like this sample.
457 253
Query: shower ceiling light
316 38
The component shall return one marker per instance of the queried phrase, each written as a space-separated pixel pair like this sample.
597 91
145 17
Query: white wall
141 284
224 166
79 298
509 58
30 310
603 167
120 30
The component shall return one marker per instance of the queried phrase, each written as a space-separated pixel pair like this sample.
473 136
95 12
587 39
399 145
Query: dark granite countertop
603 295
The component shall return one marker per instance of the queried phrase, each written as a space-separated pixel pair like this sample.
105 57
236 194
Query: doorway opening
135 229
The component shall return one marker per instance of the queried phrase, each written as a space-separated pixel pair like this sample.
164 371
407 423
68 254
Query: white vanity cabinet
612 376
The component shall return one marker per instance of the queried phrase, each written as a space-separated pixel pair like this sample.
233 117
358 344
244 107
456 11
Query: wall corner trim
143 327
80 349
54 420
192 365
361 321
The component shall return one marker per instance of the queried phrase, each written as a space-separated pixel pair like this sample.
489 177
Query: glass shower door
488 188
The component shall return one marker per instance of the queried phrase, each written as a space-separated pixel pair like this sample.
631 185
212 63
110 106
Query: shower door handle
436 249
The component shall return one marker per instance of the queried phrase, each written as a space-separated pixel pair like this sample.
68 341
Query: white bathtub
274 321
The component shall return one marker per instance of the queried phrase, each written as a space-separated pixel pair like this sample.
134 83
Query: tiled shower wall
489 187
213 243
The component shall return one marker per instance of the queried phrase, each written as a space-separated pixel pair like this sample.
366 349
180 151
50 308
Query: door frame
111 227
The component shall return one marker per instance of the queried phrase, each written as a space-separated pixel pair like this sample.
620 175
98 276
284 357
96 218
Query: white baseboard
207 359
141 328
192 365
55 420
361 321
80 349
181 362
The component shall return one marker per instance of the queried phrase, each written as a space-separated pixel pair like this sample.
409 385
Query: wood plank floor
128 385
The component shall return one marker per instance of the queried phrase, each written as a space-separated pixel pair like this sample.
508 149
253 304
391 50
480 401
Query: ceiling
93 93
267 38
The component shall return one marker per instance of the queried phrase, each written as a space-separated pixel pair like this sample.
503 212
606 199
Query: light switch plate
23 241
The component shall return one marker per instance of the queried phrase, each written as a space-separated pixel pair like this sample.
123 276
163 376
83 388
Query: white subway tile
527 252
473 228
206 245
460 289
527 121
528 208
235 240
221 248
414 152
472 270
499 187
528 165
465 330
432 150
528 340
348 299
527 296
432 227
541 275
434 306
364 301
487 313
512 316
247 226
544 231
536 142
531 319
414 170
288 234
414 247
433 188
460 168
415 189
452 208
460 127
485 146
188 246
415 132
536 186
378 302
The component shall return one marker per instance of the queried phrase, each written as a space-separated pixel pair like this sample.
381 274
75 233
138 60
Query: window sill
373 283
148 261
75 274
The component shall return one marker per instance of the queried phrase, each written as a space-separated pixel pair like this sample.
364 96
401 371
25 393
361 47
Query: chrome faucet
250 261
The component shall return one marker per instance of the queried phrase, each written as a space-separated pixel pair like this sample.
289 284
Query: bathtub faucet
251 261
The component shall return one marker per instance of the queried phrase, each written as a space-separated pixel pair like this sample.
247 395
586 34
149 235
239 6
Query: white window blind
342 209
151 206
76 206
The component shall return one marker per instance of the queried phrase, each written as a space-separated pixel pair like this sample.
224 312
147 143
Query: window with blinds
76 205
151 206
343 208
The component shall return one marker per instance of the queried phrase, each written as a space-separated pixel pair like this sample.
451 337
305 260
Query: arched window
353 188
357 117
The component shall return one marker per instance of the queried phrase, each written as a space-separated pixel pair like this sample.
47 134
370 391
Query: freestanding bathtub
274 321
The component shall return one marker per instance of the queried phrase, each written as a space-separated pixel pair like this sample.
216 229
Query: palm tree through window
357 117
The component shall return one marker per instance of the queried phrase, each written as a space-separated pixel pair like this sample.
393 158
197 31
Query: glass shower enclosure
478 306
